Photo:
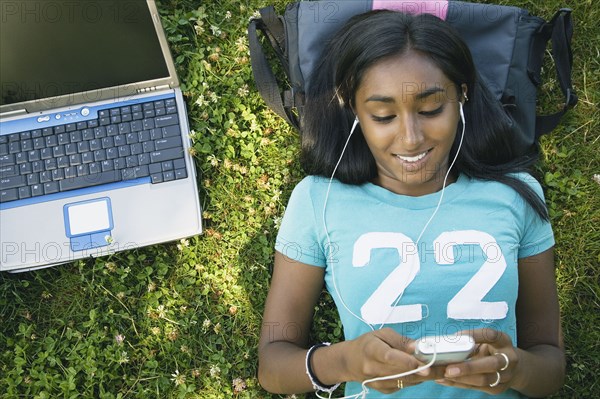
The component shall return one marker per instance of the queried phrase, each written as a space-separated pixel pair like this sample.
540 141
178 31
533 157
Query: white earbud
462 114
354 124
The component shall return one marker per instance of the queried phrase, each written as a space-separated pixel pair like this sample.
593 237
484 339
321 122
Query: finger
435 373
482 384
395 340
482 375
490 336
477 380
392 385
402 351
475 366
382 347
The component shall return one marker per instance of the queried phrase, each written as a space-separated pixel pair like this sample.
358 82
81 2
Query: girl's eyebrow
428 92
419 96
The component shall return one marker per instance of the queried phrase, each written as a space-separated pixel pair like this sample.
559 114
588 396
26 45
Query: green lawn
181 320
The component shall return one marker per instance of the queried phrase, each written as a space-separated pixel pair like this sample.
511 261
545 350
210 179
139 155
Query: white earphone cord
365 390
462 136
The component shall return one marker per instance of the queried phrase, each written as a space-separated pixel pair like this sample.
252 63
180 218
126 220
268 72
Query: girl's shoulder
316 185
524 177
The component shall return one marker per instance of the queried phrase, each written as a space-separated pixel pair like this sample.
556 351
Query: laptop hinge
153 88
15 112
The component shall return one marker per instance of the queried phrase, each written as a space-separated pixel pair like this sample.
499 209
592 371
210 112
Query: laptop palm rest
88 224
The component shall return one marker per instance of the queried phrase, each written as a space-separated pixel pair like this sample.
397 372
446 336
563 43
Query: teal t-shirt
387 264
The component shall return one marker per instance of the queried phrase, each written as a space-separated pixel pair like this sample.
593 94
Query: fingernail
442 381
452 372
424 373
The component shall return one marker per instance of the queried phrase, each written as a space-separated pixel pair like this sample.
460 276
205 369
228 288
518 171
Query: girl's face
409 113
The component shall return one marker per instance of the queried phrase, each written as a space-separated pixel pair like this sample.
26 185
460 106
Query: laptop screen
55 48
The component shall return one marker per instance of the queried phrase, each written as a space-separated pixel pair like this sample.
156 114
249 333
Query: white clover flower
255 15
124 358
216 31
238 385
151 286
206 325
243 91
213 160
241 45
178 379
200 101
119 339
214 371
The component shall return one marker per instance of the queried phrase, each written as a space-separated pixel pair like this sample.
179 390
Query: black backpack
507 44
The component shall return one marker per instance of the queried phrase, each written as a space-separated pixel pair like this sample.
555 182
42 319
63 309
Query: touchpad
88 223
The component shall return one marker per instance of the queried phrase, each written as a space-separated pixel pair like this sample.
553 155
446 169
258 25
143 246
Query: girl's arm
536 366
541 351
288 317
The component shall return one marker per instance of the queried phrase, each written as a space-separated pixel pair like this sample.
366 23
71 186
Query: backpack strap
559 30
272 28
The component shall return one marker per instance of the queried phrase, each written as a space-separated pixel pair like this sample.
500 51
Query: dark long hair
488 149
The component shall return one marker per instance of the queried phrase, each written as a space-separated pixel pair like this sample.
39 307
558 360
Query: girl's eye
432 112
383 119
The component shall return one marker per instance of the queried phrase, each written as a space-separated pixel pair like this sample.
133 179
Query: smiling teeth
412 159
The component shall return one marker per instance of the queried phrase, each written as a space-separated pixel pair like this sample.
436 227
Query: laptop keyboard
124 143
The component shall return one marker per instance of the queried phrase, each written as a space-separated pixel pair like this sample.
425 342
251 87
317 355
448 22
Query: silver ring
495 383
505 358
400 384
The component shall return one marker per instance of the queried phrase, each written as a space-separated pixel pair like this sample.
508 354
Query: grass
181 320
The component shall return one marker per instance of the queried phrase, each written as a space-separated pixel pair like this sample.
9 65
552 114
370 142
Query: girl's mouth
415 158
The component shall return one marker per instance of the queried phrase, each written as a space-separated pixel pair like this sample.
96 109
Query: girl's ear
465 89
353 109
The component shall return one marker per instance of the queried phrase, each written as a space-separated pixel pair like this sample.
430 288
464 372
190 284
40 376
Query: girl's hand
490 369
383 353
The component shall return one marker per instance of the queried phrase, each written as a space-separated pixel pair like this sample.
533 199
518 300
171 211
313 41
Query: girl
420 223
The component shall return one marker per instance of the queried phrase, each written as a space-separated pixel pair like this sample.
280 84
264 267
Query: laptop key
166 155
169 142
9 195
45 176
38 166
25 168
95 168
62 162
180 174
19 158
37 189
169 175
51 187
70 172
156 178
12 182
32 179
10 170
7 159
90 180
155 168
179 163
172 130
166 120
24 192
58 174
